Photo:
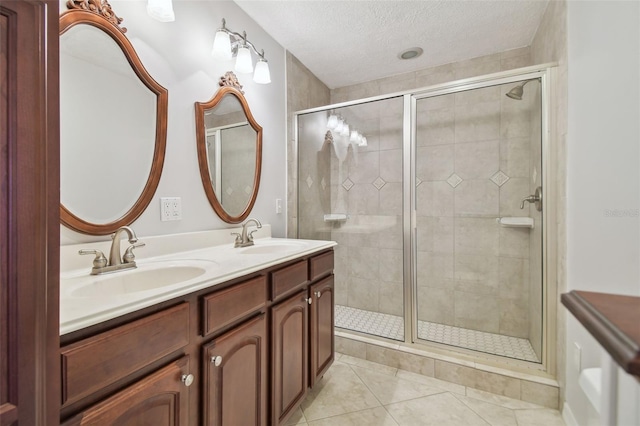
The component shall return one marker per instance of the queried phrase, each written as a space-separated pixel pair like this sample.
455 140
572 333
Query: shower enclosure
436 200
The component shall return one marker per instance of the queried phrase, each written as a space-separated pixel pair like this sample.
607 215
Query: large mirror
229 152
113 118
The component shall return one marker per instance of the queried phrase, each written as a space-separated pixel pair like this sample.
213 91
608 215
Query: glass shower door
479 278
350 191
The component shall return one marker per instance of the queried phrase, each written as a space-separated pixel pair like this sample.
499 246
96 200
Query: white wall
178 56
603 178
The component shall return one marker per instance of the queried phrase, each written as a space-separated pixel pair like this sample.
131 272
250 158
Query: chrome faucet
246 239
116 261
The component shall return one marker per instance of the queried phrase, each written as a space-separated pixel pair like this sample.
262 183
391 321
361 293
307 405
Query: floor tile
491 413
391 389
392 327
371 417
297 418
544 416
340 391
436 410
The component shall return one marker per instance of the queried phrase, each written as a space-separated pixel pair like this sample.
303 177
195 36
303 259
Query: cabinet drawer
320 265
93 363
227 306
286 279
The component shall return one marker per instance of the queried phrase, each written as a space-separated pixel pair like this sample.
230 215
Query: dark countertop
614 320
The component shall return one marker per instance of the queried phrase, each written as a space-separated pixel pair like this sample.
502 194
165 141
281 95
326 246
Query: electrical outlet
278 205
170 208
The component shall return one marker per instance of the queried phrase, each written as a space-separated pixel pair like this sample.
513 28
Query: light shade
244 64
332 122
345 130
262 75
161 10
339 125
222 46
355 136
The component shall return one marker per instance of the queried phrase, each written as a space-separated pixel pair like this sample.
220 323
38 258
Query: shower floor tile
392 327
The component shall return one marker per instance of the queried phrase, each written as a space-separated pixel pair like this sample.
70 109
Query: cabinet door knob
216 360
187 379
309 300
318 294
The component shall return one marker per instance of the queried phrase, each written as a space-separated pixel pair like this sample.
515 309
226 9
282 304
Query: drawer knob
187 379
216 360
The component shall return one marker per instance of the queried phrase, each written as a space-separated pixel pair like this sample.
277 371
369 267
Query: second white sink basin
146 277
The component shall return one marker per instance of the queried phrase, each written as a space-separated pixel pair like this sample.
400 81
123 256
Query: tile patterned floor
360 392
392 327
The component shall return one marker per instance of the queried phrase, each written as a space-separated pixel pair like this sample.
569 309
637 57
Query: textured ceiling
349 42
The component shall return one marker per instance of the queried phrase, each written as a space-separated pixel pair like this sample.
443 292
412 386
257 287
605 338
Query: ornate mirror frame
230 86
99 14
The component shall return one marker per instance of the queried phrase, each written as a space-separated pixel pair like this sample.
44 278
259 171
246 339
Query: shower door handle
536 198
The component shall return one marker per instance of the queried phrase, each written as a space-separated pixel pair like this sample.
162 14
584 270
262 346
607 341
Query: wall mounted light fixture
161 10
228 44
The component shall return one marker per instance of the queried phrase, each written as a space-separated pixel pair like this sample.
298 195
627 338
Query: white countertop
220 261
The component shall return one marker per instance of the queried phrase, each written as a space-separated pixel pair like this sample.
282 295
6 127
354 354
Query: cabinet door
290 355
321 333
235 376
159 399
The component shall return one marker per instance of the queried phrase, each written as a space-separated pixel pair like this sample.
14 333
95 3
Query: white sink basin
272 248
150 276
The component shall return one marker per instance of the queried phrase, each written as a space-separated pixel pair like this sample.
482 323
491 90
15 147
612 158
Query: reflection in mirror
112 126
230 142
229 153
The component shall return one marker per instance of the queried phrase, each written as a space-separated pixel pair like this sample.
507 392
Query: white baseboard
567 415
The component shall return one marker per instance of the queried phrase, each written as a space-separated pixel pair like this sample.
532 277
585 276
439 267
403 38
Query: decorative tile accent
247 190
392 327
454 180
229 190
418 182
323 183
379 183
347 184
499 178
309 181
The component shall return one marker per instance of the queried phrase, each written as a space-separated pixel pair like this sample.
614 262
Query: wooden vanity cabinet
290 354
240 353
235 376
302 331
160 399
321 335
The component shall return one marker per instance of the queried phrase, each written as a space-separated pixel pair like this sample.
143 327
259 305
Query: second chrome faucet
246 239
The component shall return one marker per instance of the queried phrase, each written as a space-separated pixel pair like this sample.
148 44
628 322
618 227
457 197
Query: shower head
517 92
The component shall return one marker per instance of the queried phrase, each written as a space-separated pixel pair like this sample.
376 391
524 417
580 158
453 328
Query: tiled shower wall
473 166
491 287
304 90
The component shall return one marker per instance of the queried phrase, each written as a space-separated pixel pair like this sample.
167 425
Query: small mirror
112 124
229 153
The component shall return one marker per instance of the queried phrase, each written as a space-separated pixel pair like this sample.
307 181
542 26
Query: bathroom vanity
238 345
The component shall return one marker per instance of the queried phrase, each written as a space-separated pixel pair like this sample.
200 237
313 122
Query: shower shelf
335 217
515 222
